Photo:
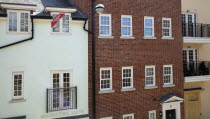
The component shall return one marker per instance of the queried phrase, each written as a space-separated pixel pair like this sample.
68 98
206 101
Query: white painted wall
199 7
37 58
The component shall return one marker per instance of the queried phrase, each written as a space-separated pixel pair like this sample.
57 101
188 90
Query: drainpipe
31 38
84 28
93 62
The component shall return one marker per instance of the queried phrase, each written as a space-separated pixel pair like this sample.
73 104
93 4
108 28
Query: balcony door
61 90
190 55
189 24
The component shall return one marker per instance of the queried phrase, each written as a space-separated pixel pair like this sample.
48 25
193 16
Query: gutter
24 40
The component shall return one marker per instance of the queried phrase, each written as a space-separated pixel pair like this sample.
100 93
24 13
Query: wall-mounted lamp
161 113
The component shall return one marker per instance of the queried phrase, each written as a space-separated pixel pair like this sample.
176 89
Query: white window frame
61 24
128 115
110 25
22 94
170 28
18 21
171 75
61 77
106 89
154 79
153 27
130 77
153 111
131 26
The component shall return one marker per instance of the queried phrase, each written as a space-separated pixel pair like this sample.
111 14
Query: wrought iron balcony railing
61 99
196 68
195 30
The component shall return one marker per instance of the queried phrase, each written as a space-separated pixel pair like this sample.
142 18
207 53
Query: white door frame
194 20
170 106
61 72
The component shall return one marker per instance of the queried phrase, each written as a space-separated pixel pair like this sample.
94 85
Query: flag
57 19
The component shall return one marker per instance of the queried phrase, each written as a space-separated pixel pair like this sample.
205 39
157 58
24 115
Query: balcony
196 68
196 33
61 99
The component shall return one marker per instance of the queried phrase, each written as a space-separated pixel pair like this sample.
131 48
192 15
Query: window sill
150 87
127 37
150 38
18 33
60 33
168 38
169 85
106 91
128 89
17 100
107 37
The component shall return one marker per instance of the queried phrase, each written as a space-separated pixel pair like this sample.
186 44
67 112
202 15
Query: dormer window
62 26
18 21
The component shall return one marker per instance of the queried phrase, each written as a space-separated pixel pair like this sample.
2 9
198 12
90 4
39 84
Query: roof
78 15
20 2
57 3
17 4
42 4
170 98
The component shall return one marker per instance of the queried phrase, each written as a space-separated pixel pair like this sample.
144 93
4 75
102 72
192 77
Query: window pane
56 28
24 22
148 23
166 23
150 76
126 21
166 32
18 80
148 32
66 23
126 31
104 30
167 75
166 28
127 78
105 20
12 21
105 79
105 25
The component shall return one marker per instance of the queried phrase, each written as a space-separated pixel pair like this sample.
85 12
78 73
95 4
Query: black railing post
61 96
196 68
201 30
76 97
47 101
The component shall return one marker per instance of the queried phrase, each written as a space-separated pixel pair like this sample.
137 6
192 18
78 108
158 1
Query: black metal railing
61 99
195 68
195 30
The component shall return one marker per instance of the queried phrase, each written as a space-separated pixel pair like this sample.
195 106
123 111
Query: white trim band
54 9
19 7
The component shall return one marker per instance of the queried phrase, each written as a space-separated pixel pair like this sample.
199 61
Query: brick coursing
138 53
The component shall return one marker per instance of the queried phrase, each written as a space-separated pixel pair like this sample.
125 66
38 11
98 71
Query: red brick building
139 71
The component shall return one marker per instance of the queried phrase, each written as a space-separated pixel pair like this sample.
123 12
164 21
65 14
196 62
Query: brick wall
138 53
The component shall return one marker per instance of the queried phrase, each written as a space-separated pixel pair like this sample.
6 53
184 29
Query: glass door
189 24
61 90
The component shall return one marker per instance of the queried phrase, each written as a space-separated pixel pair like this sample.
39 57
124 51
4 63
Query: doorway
192 105
171 114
